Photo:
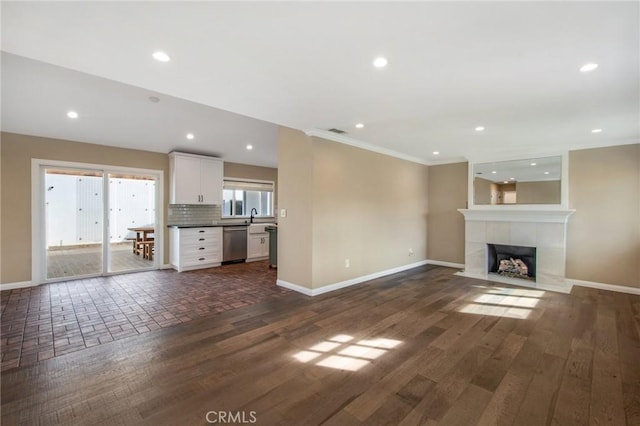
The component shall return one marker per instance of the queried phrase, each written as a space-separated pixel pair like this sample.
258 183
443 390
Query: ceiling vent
338 131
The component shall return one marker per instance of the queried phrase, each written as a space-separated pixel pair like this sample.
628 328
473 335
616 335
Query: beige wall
603 242
545 192
447 194
295 165
367 207
17 152
246 171
346 203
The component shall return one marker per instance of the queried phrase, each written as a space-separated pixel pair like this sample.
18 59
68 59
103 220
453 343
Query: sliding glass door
131 221
96 222
74 222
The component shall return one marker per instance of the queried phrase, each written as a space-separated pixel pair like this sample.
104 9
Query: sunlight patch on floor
341 353
524 302
496 311
504 302
343 363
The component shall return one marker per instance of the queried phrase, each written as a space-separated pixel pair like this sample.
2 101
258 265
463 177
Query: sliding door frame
38 236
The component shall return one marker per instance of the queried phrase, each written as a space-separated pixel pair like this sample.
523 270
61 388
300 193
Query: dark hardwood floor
419 347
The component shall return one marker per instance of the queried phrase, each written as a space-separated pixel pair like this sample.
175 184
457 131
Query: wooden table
143 244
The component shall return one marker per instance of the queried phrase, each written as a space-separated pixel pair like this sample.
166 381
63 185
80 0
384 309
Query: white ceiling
511 67
36 97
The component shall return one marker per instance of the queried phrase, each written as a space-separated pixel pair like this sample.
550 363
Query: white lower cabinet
257 246
195 248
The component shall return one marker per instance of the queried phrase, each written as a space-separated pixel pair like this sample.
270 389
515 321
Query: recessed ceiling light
506 181
359 126
479 128
161 56
588 67
512 178
72 114
380 62
596 130
494 172
546 173
249 147
436 152
190 136
534 164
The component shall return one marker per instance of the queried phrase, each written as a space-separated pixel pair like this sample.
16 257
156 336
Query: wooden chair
147 249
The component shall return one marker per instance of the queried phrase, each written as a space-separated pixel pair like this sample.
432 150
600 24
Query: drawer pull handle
201 239
201 231
201 248
202 258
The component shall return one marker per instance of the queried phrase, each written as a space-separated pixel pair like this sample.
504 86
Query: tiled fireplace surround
544 229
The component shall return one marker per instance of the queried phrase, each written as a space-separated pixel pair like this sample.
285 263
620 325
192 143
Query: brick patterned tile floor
50 320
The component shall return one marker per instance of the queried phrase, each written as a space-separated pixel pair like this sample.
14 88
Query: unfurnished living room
305 213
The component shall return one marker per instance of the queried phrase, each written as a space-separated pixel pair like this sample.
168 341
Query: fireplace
544 231
512 261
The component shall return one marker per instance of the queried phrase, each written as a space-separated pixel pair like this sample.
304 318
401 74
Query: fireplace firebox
512 261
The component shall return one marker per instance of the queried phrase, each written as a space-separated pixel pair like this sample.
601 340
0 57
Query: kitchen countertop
217 225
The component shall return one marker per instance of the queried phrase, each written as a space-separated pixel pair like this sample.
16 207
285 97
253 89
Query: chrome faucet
252 210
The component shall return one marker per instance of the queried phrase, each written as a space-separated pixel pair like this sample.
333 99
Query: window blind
248 185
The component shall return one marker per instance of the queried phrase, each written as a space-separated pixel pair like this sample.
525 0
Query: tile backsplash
189 214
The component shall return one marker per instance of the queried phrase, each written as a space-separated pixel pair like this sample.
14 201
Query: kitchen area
220 213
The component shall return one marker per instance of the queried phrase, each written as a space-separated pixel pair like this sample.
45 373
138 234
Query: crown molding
452 160
347 140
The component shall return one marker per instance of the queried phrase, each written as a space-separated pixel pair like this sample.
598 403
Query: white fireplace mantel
517 215
543 228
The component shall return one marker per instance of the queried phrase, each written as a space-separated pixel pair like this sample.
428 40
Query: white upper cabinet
195 179
211 178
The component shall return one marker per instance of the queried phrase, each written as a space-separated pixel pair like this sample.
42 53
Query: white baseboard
21 284
602 286
166 266
348 283
446 264
295 287
256 259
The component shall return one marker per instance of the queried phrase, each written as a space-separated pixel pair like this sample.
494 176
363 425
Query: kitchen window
239 196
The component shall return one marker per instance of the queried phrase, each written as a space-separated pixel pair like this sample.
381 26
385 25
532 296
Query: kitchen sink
258 228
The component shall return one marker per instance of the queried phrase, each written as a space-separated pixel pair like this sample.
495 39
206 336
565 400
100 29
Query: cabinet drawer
200 238
197 248
198 241
187 232
201 258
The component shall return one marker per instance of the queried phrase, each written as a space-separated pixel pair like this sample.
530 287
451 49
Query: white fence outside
74 211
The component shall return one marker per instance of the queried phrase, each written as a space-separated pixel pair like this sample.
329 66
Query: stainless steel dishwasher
234 243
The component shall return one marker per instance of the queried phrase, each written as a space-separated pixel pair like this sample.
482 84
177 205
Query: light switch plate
283 212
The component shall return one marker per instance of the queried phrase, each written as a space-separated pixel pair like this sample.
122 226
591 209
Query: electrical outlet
347 263
283 212
410 252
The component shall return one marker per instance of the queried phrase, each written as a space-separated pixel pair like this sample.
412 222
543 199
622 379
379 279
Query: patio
70 261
